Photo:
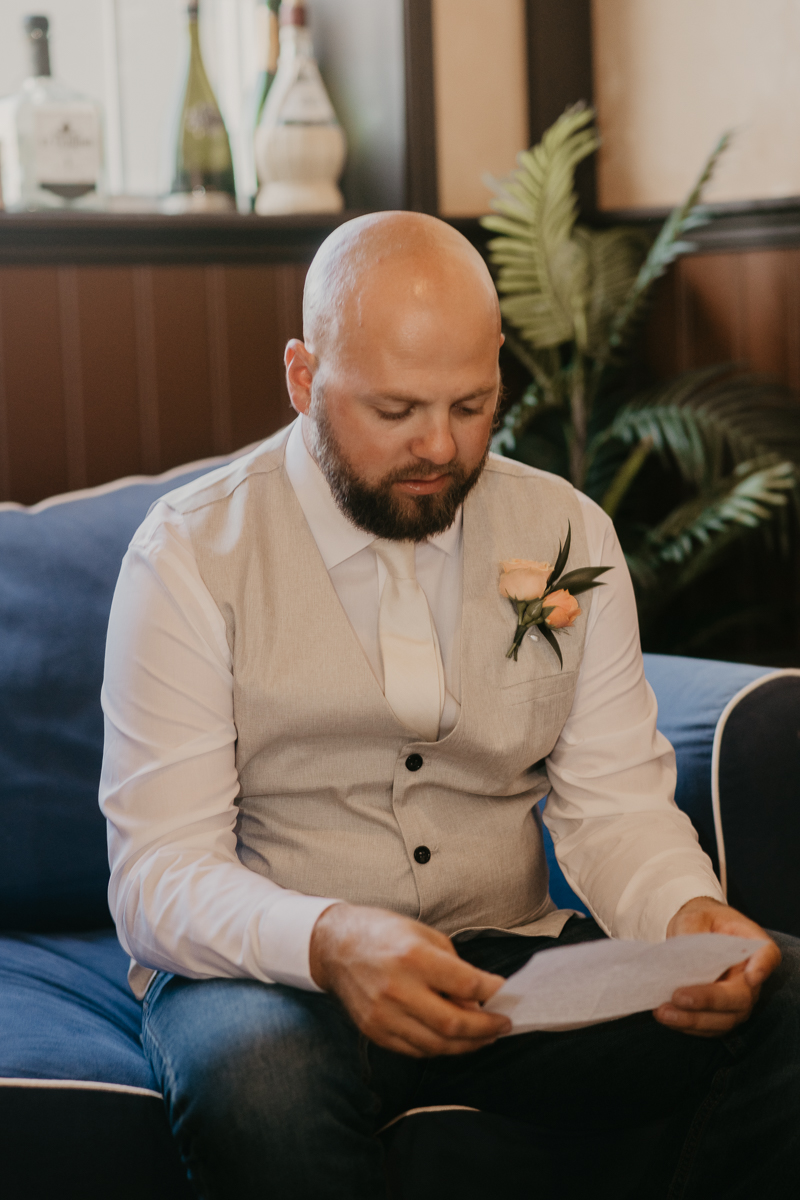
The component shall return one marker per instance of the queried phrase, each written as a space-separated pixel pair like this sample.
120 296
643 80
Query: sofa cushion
66 1010
59 563
691 694
77 1098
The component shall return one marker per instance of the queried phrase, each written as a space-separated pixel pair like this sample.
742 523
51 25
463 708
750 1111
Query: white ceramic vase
300 146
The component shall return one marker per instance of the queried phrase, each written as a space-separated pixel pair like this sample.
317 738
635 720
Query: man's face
403 411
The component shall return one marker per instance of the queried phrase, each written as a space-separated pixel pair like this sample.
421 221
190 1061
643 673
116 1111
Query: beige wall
671 75
481 97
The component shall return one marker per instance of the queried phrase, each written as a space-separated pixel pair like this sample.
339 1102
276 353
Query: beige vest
327 805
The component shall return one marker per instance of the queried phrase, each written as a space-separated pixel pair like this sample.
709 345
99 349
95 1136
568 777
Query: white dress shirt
181 898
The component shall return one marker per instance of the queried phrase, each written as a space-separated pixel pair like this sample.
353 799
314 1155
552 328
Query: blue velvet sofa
79 1113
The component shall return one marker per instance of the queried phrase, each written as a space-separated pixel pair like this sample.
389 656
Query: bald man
322 779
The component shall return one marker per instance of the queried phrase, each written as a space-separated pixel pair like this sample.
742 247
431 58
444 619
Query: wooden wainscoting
117 370
164 342
741 306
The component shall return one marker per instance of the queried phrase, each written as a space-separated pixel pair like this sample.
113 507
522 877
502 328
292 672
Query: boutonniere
541 595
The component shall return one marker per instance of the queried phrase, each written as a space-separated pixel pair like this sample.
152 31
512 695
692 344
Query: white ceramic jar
300 146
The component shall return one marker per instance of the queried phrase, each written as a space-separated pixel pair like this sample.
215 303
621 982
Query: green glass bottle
268 42
203 180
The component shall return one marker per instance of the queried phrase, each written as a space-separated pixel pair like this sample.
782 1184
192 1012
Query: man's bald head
387 275
398 376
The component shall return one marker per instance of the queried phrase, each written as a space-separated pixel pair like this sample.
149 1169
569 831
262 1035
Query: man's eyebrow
400 398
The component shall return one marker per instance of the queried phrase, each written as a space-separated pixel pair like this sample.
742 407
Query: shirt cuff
285 938
662 904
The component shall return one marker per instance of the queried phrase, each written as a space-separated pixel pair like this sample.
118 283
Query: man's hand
403 983
713 1009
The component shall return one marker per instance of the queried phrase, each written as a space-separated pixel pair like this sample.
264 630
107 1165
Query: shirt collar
336 537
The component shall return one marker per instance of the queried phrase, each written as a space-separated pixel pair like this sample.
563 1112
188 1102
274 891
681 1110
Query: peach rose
523 579
565 610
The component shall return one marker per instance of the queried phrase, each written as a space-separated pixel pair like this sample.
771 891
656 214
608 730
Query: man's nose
435 443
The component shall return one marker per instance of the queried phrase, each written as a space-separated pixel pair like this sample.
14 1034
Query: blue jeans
272 1092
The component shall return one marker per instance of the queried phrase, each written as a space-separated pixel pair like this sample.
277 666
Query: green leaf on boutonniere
561 558
550 637
586 587
581 579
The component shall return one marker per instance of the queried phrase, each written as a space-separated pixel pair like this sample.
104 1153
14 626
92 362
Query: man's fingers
445 1019
702 1024
425 1044
455 1022
711 1009
408 1008
401 1027
729 995
761 965
391 1041
452 976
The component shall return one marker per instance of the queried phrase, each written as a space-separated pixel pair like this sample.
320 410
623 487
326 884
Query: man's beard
374 507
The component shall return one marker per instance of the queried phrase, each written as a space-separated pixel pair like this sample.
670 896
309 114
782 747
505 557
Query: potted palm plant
685 468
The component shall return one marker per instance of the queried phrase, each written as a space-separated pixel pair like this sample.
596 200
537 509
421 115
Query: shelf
61 238
114 239
737 225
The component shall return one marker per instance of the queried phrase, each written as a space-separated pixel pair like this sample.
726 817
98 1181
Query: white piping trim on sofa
129 1089
90 1085
412 1112
80 1084
115 485
715 752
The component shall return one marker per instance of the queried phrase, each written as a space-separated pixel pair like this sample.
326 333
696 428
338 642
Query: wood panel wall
109 371
741 307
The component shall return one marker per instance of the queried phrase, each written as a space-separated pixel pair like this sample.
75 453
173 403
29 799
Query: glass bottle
267 45
203 179
51 138
300 146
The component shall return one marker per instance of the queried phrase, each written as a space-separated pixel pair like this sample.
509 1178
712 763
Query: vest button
422 854
413 763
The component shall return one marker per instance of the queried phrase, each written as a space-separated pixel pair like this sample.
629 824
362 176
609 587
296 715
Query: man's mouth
423 487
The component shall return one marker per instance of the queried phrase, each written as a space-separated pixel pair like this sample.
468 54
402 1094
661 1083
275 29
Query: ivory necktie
412 663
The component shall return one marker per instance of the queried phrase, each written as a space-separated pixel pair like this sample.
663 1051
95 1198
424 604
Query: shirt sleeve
623 844
181 899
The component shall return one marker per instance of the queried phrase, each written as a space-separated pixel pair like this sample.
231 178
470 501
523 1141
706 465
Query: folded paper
573 986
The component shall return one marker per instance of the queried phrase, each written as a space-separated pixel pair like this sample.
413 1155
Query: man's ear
300 367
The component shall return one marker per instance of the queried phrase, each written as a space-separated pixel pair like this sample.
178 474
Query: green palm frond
702 423
671 430
697 536
748 415
747 498
615 258
668 246
543 270
665 416
720 445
